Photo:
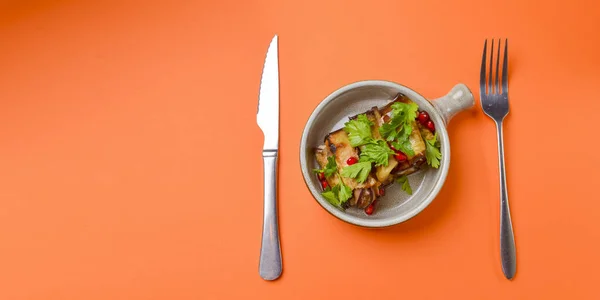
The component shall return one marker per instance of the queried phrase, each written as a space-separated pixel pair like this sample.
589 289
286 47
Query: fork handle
270 266
507 240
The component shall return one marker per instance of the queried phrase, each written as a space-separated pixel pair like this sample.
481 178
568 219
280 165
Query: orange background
130 160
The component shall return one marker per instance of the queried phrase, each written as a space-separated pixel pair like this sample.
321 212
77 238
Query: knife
267 118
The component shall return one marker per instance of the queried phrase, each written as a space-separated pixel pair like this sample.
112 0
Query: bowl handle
458 99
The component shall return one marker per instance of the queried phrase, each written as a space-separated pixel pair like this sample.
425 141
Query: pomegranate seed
324 184
321 176
423 117
400 156
352 160
369 210
431 126
381 191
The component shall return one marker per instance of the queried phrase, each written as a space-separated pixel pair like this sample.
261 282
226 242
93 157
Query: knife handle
270 266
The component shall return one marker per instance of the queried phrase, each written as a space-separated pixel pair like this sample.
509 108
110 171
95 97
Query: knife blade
267 117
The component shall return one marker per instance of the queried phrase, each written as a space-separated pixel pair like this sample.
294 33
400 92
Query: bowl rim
394 220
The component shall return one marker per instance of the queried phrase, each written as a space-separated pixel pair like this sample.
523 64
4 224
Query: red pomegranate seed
431 126
324 184
321 176
423 117
369 210
381 191
400 156
352 160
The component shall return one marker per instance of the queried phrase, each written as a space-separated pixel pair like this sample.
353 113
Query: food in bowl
396 206
374 149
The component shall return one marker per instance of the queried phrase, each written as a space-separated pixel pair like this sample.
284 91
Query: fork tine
482 89
498 67
505 69
490 86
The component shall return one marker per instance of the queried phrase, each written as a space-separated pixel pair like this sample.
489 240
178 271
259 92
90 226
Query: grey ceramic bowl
331 114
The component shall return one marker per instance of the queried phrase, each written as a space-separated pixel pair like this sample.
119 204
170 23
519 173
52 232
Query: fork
494 102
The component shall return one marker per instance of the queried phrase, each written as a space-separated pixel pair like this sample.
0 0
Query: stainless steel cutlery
270 265
494 102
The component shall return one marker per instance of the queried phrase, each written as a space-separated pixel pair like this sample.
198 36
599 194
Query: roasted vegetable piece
338 145
382 173
413 163
321 154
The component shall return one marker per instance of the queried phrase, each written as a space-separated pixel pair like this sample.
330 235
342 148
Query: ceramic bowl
331 114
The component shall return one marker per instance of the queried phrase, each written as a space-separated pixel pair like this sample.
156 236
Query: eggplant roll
338 146
414 162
